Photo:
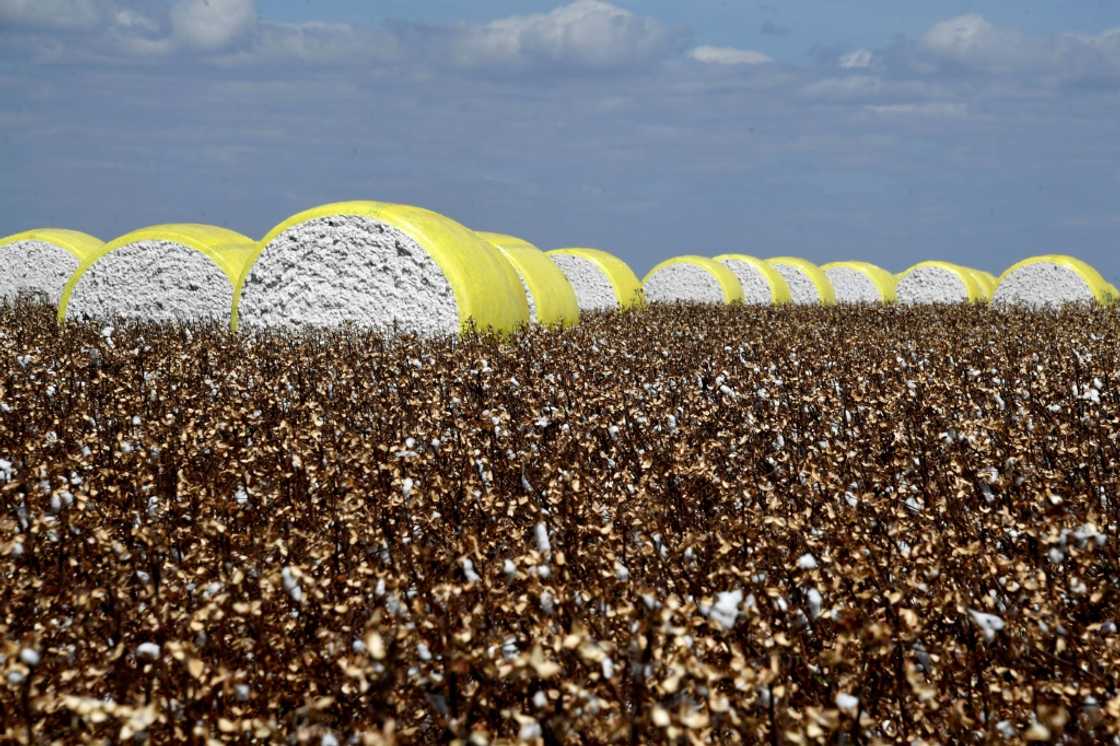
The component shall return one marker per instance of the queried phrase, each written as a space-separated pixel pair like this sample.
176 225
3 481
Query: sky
980 133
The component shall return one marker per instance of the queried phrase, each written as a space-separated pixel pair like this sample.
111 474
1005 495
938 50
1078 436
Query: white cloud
971 40
943 109
210 25
857 60
728 56
588 33
64 14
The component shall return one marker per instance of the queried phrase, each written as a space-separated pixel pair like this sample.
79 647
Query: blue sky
893 132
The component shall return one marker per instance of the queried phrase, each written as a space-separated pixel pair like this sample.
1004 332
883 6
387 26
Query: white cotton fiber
349 269
802 289
1043 284
756 288
932 284
853 286
35 269
153 280
682 282
594 291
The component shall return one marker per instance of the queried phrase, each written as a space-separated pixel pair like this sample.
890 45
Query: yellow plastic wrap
627 287
883 280
728 282
779 289
1103 291
987 289
230 251
819 279
79 245
487 291
552 293
973 288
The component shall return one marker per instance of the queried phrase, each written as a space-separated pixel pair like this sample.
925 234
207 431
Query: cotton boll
544 546
29 657
807 562
847 704
148 650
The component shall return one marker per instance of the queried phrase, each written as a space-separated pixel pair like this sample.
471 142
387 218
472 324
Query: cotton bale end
808 285
860 282
692 279
389 267
39 262
938 282
551 299
1053 280
173 273
601 281
760 283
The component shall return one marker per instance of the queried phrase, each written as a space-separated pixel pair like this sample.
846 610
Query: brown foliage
678 524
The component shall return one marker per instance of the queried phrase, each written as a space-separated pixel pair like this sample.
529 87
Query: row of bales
399 268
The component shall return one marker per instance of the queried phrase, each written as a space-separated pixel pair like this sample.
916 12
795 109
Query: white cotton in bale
1050 281
38 263
860 282
938 282
394 269
183 272
601 281
760 284
808 285
691 279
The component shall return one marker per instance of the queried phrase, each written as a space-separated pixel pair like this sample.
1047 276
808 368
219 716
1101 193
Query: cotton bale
860 282
692 279
938 282
600 280
1053 280
38 263
808 285
380 266
181 272
760 284
552 301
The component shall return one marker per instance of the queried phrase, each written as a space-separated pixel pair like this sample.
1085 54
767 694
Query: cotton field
376 477
689 522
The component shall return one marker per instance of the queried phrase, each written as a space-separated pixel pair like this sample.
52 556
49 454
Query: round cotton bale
182 272
38 263
552 302
1053 280
860 282
691 279
380 266
601 281
760 284
808 285
938 282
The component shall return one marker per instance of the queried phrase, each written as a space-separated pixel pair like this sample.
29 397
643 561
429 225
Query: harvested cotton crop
693 279
386 267
938 282
39 262
1053 280
860 282
601 281
808 285
760 283
172 273
552 301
